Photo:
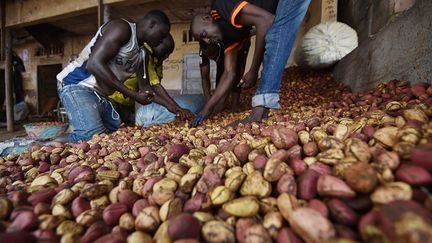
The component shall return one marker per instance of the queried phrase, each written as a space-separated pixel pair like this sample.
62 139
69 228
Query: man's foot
257 115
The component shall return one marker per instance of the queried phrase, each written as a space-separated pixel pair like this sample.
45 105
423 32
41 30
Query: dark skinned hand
249 80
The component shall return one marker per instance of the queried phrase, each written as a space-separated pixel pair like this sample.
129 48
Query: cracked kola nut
218 231
94 191
62 211
49 222
391 192
188 181
42 181
170 209
242 207
127 222
69 227
386 136
273 221
311 225
274 169
138 237
148 219
284 138
330 143
87 218
234 180
219 195
100 202
361 177
176 172
255 185
257 233
286 204
203 216
63 197
388 159
358 149
5 208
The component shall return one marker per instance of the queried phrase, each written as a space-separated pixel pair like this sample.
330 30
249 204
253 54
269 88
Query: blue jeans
88 112
153 114
279 41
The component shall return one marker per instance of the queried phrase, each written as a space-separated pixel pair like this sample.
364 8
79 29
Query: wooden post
3 35
100 13
8 82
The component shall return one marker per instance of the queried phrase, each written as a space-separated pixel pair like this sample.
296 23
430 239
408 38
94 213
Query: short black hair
159 16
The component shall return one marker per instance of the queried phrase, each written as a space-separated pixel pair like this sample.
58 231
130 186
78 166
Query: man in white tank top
112 55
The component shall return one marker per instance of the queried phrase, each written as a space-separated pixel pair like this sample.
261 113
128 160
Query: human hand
199 119
249 80
144 97
184 114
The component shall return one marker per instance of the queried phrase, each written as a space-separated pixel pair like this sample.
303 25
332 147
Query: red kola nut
284 138
176 151
319 206
139 205
286 235
18 237
307 184
79 205
128 197
242 151
184 226
413 175
241 225
310 149
259 162
341 213
421 156
95 231
25 221
298 166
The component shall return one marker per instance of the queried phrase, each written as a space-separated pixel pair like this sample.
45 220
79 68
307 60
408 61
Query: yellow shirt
154 70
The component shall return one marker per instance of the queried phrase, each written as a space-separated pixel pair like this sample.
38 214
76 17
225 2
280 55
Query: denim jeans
88 112
153 114
279 41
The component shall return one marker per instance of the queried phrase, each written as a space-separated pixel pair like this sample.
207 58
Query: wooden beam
9 82
29 12
100 13
3 35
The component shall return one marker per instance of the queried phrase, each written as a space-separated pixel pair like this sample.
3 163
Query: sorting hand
199 119
184 114
249 80
144 97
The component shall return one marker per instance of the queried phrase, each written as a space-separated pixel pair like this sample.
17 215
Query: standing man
214 53
276 24
111 56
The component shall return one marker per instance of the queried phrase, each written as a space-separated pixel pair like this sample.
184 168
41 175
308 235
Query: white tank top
125 63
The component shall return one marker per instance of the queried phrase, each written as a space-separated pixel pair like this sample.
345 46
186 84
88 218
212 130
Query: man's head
153 28
213 51
165 48
205 29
